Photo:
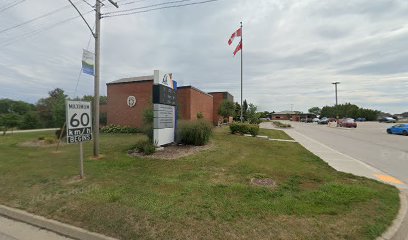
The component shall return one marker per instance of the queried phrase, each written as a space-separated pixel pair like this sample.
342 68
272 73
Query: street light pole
335 89
96 79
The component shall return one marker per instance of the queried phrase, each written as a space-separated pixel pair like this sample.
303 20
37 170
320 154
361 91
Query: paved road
13 230
368 143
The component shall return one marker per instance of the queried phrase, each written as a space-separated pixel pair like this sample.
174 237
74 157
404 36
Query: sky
292 49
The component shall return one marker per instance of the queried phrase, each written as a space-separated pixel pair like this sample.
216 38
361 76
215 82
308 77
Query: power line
92 6
36 18
153 5
11 5
155 9
38 31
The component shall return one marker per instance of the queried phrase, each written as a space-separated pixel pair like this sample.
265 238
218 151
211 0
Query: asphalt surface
368 143
14 230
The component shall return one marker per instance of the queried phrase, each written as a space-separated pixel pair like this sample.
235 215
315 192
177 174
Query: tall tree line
48 112
349 110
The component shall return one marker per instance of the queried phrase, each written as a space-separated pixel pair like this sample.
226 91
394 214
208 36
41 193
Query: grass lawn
275 134
205 196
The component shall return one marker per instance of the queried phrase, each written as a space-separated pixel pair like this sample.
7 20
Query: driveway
368 143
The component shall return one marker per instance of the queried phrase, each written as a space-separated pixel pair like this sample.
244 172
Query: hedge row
119 129
244 128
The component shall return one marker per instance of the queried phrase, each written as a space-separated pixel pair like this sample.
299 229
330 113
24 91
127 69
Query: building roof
194 88
133 79
287 112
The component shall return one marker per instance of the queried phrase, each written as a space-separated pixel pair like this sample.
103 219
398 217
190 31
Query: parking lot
368 143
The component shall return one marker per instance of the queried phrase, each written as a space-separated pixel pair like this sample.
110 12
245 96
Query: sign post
79 126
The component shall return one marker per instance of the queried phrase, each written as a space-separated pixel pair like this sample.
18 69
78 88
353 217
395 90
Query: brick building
122 110
191 101
218 98
292 116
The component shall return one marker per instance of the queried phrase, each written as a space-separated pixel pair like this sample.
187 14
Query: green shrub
195 132
119 129
253 129
244 128
200 115
41 138
148 117
146 147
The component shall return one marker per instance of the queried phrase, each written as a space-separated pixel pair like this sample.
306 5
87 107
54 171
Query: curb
398 231
268 138
51 225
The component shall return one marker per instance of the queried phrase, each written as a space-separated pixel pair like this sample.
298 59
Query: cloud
293 50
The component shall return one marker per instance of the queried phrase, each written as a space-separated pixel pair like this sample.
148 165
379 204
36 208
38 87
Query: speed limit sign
79 121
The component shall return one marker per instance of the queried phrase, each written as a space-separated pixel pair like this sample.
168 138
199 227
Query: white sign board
163 124
164 99
79 121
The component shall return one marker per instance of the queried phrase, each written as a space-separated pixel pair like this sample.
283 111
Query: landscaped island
239 188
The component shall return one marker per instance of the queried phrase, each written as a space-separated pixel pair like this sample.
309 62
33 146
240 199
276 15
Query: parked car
323 120
360 120
306 120
315 120
387 120
347 122
398 129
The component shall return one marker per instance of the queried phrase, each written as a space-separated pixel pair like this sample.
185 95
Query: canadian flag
238 48
237 33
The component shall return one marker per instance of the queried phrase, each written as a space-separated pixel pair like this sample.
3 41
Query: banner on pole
88 62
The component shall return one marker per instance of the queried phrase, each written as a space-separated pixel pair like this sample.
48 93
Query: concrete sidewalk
17 224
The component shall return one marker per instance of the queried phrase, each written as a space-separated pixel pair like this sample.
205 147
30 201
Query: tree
18 107
9 120
227 109
252 115
237 111
315 110
264 114
31 120
349 110
244 110
102 99
52 109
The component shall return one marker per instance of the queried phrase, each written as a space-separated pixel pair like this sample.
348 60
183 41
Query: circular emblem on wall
131 101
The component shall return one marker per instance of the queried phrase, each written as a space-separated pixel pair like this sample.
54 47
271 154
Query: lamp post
335 89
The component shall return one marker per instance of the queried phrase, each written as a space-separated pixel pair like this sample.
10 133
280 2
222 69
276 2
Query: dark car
387 120
360 119
347 122
398 129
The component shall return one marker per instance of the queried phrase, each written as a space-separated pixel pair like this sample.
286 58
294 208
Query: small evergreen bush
195 132
244 128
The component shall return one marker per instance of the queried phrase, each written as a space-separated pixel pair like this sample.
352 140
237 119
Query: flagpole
241 72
